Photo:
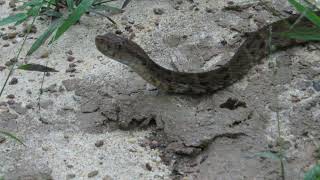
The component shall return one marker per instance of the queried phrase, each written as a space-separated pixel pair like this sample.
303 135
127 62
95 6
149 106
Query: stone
72 65
158 11
11 102
209 10
12 35
29 106
3 108
2 2
99 143
12 27
45 103
316 85
107 177
7 116
17 107
44 55
11 96
69 52
71 70
2 139
89 107
12 4
148 166
2 68
93 174
70 58
70 176
52 88
11 62
44 120
13 81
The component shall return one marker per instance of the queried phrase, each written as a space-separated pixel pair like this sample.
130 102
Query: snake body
250 53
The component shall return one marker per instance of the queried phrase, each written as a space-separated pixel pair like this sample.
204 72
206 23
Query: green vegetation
12 136
60 23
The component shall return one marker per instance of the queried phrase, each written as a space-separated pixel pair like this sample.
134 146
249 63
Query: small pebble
12 4
29 91
72 65
99 143
44 55
2 139
2 68
92 174
70 176
69 52
11 62
209 10
11 102
11 96
5 37
43 120
13 81
2 2
118 32
6 45
12 35
29 106
4 108
107 177
70 58
148 166
316 85
158 11
12 27
71 70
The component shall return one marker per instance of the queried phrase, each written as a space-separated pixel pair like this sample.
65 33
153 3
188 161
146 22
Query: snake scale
250 53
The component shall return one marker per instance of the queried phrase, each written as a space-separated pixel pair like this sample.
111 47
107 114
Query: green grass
61 22
12 136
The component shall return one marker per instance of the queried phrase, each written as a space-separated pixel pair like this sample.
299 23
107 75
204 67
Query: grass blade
36 67
12 136
53 26
308 34
13 18
70 5
73 18
308 13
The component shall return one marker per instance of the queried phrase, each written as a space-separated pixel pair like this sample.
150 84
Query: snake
252 50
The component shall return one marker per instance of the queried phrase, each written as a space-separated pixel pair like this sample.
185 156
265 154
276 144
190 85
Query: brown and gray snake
249 54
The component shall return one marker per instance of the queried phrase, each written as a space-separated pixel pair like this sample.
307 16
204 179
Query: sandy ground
199 138
58 146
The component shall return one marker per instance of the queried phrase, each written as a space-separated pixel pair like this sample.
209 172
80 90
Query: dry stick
19 52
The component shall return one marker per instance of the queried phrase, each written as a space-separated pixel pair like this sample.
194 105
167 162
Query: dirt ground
100 120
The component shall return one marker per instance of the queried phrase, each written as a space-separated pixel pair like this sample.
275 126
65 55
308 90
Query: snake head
110 45
120 49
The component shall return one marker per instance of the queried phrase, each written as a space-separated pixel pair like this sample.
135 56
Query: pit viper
254 48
